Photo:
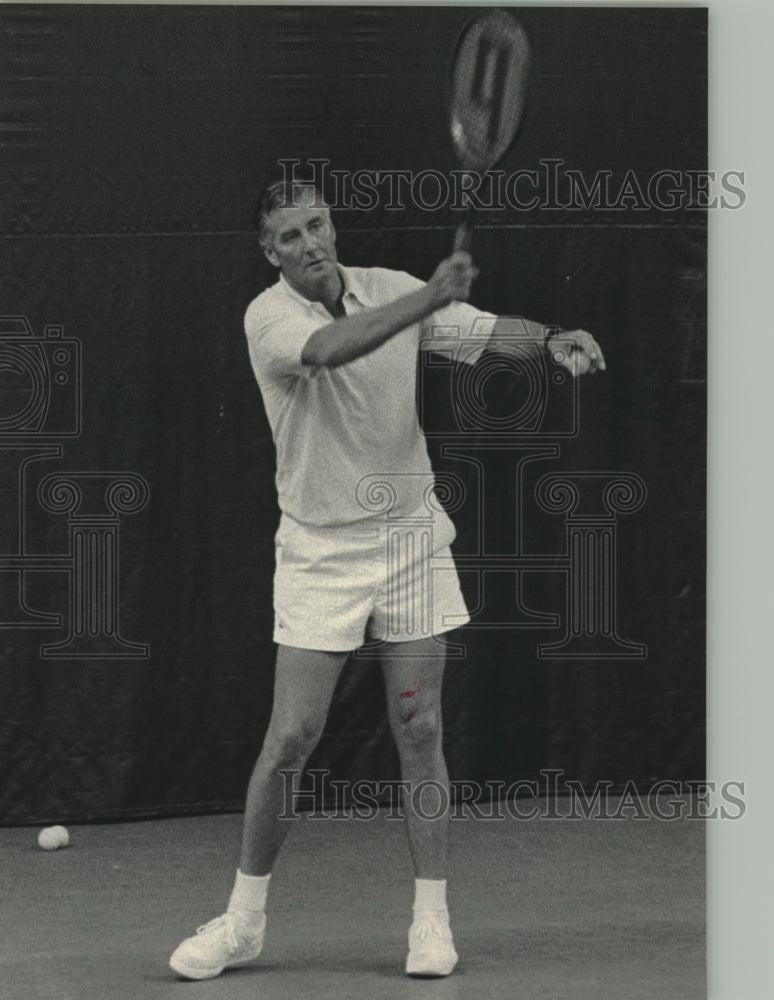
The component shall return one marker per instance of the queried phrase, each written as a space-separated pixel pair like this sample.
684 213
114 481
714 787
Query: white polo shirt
338 430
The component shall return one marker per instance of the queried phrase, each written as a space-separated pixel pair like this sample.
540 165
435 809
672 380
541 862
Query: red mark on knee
407 694
407 723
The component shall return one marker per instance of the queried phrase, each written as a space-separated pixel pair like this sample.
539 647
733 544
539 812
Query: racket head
489 77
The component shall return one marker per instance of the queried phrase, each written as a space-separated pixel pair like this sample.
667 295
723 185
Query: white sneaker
215 946
431 948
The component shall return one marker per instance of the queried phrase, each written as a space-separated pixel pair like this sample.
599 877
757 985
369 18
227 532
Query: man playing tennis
334 351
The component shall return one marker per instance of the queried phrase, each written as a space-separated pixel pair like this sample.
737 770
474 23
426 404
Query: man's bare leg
413 675
303 688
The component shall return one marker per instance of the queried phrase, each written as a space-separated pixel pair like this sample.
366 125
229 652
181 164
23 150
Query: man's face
301 241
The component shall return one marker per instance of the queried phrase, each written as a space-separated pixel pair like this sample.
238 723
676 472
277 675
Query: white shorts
391 581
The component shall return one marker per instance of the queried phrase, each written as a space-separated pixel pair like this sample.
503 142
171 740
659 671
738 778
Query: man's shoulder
382 282
272 301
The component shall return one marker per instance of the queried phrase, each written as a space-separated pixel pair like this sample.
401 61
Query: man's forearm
575 350
510 330
353 336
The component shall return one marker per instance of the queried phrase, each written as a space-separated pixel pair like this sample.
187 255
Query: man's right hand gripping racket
488 94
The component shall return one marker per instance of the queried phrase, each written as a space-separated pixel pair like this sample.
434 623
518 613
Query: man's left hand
577 351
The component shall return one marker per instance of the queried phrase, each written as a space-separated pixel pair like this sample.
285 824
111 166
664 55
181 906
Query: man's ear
270 255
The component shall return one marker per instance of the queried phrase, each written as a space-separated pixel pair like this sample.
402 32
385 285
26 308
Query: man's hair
282 194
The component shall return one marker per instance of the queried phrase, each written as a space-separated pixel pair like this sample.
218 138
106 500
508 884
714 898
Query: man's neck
332 296
330 293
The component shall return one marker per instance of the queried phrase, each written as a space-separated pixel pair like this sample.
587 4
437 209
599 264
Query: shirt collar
352 287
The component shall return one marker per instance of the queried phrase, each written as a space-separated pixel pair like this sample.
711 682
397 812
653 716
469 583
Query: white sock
430 894
248 898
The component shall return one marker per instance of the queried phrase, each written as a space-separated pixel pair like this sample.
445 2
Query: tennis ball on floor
53 837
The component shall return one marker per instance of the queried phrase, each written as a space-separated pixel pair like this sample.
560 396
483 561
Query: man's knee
293 742
418 731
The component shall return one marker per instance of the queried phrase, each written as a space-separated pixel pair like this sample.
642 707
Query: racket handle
463 238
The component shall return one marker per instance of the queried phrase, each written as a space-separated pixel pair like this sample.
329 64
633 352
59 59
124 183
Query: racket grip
463 238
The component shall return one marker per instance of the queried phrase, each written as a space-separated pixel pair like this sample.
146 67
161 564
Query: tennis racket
488 93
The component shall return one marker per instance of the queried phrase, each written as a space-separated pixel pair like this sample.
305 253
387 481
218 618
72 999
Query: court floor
544 908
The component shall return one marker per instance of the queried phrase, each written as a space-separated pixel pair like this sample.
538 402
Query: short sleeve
276 336
460 330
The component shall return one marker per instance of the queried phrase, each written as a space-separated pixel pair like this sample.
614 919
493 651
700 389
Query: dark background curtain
135 141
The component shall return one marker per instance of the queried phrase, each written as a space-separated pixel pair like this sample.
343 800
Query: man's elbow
322 355
316 352
313 355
